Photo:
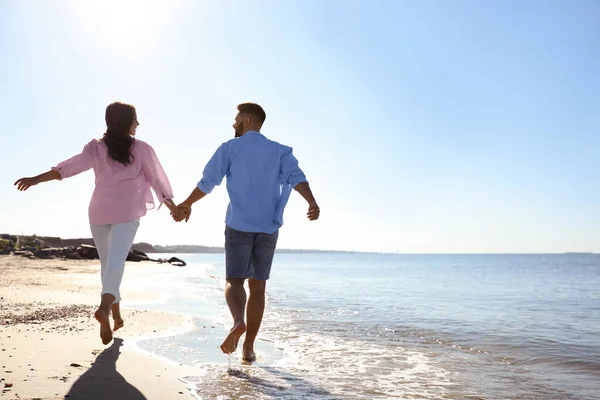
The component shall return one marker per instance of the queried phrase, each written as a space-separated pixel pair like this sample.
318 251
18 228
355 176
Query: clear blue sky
423 126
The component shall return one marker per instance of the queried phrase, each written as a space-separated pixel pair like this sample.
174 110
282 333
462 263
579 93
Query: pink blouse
122 193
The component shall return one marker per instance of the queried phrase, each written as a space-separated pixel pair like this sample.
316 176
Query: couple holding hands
261 174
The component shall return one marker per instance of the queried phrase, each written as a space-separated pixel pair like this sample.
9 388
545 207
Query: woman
125 169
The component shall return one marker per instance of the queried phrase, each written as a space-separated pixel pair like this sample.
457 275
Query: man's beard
239 131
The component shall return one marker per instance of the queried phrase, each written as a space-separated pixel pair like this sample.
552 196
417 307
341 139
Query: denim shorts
249 254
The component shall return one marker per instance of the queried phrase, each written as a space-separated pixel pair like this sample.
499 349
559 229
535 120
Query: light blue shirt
261 175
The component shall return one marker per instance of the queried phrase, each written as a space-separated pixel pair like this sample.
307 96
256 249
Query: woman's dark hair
119 118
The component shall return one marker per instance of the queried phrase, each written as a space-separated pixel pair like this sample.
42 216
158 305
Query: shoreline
49 340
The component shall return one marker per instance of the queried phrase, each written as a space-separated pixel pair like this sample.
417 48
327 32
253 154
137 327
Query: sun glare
123 26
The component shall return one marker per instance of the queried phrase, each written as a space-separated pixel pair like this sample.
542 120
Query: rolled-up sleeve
156 176
291 173
77 164
215 170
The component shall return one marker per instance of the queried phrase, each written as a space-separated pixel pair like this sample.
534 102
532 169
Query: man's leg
262 259
255 311
238 252
235 294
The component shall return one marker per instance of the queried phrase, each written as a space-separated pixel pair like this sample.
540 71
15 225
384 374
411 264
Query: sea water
376 326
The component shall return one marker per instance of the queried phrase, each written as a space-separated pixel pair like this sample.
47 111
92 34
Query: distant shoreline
45 241
54 241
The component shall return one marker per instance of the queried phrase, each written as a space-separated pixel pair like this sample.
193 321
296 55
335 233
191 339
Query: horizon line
397 252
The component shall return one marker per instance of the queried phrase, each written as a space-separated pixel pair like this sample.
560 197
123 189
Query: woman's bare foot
116 313
231 341
117 323
101 315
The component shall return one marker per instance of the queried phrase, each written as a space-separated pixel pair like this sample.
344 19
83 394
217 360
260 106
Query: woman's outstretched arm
73 166
26 183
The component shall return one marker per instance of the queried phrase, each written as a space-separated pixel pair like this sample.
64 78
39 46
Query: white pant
113 243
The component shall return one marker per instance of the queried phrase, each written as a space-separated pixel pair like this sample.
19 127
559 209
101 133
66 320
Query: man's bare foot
105 331
231 341
117 324
248 354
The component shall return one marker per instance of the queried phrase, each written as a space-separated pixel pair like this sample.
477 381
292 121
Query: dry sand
49 341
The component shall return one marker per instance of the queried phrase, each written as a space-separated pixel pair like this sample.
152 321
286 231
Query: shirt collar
254 133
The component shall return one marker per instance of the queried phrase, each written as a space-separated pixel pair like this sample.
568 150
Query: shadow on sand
102 381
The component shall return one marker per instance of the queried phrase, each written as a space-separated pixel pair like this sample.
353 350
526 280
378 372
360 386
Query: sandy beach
49 341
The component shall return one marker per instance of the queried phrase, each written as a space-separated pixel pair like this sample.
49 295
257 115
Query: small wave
353 368
217 382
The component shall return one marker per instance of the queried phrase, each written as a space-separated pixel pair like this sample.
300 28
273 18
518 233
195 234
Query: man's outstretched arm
313 208
293 175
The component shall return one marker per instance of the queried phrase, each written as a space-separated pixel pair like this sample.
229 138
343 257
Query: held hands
25 183
182 212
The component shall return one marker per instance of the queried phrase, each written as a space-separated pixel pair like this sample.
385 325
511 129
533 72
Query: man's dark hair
254 110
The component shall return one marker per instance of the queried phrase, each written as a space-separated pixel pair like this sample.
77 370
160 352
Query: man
260 176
